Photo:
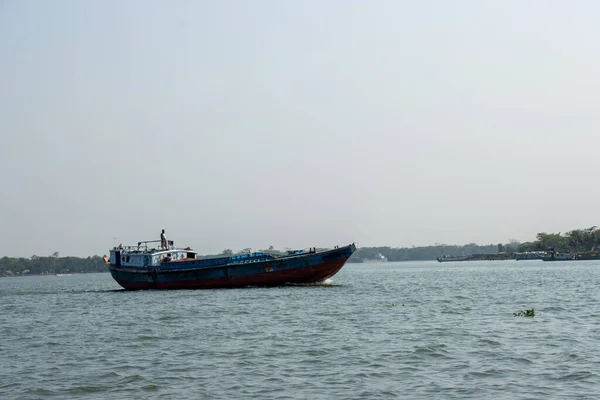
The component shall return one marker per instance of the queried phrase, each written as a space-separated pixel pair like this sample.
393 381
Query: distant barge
549 255
477 257
145 266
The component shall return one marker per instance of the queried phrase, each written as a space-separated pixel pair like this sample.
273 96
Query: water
381 331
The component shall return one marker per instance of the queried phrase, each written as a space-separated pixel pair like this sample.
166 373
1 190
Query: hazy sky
236 124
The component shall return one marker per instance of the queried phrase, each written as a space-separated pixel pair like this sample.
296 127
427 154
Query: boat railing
146 246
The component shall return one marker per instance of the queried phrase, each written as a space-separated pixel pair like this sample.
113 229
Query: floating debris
524 313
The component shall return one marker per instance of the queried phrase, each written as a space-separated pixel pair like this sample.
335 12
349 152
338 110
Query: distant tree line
424 253
576 241
50 265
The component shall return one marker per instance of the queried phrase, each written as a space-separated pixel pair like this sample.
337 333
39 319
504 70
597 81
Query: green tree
576 239
552 240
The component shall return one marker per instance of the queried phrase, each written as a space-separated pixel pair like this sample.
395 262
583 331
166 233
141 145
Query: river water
418 330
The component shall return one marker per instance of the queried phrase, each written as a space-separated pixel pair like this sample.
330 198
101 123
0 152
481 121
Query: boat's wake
326 283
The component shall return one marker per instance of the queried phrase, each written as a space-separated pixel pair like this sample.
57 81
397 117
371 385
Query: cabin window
127 258
190 255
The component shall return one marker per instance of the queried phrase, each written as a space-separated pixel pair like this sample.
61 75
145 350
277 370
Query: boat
552 255
503 256
148 266
447 258
378 259
588 255
529 255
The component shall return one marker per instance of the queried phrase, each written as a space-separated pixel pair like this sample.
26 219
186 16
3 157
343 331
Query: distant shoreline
583 242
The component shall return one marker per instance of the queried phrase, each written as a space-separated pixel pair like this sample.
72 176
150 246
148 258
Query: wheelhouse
149 254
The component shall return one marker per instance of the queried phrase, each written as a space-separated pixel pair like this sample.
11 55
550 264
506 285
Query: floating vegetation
524 313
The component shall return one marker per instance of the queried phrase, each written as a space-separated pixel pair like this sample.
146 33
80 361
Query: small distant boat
378 259
552 255
529 255
146 266
590 255
452 258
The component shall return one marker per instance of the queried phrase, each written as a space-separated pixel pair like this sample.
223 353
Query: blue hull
231 272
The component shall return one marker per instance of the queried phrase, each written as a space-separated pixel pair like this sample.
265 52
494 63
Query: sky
235 124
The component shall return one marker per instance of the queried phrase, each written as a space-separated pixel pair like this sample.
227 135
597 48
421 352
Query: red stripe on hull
310 274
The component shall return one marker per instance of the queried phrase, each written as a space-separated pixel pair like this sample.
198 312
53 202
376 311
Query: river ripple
376 331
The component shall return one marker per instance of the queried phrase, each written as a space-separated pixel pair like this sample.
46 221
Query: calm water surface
377 331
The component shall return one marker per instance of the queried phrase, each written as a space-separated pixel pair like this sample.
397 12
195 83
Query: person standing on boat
163 241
